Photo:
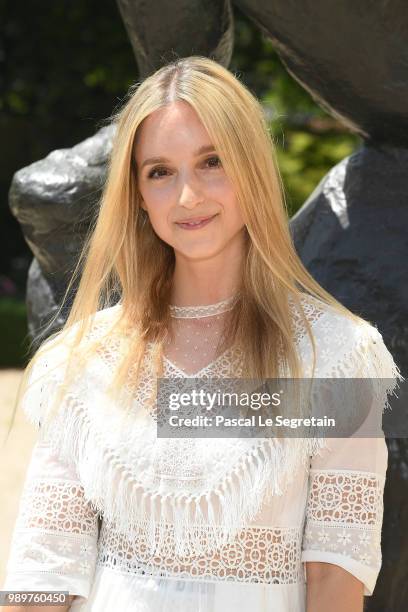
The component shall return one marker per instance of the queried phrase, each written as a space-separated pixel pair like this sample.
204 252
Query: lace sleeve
344 509
54 542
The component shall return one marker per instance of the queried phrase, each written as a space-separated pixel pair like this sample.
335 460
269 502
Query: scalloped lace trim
208 310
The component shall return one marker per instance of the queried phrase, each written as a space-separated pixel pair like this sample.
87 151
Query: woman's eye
161 171
217 159
152 172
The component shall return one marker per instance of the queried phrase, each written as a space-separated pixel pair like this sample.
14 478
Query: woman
192 235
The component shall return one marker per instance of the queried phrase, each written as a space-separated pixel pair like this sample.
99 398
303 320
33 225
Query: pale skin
208 260
208 266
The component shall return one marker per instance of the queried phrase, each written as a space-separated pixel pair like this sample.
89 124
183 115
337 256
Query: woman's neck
207 281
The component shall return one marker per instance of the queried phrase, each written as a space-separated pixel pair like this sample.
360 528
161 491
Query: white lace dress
214 525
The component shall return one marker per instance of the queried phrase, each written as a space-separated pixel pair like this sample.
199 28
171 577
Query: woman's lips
197 223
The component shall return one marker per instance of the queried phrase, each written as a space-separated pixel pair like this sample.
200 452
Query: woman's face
182 181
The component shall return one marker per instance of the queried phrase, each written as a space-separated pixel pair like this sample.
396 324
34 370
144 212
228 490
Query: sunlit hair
123 256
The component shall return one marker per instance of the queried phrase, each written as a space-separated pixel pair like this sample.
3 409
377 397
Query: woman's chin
197 252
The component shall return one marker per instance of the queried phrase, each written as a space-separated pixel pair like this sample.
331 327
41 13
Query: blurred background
63 68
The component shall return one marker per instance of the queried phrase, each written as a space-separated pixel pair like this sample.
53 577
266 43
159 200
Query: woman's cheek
221 186
158 212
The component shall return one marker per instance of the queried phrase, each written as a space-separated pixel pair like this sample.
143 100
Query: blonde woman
192 236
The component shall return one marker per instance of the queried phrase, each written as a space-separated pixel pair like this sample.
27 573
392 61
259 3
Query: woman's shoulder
53 359
326 319
96 326
346 344
51 356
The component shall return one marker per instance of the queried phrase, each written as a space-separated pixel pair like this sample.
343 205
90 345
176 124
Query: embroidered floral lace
211 513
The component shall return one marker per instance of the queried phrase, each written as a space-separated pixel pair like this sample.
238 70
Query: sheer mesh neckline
207 310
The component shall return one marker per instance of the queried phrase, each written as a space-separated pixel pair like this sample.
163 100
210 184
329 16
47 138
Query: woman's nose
190 194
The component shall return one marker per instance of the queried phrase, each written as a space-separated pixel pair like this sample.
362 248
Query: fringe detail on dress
379 365
84 432
113 489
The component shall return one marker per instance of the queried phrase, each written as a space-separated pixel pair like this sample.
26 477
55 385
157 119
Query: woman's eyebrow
160 160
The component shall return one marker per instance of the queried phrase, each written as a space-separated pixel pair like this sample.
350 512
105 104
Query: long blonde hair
117 254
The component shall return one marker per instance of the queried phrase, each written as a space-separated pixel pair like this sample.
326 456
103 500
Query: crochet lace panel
257 554
56 505
344 514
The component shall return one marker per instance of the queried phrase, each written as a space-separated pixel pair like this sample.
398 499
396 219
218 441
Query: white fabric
210 525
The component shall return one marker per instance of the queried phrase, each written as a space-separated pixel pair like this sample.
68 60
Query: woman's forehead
169 127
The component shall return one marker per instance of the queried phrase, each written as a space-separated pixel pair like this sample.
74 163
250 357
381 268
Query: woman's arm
54 541
344 508
330 587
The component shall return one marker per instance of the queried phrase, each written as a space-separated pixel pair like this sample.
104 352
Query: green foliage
13 333
304 160
309 142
